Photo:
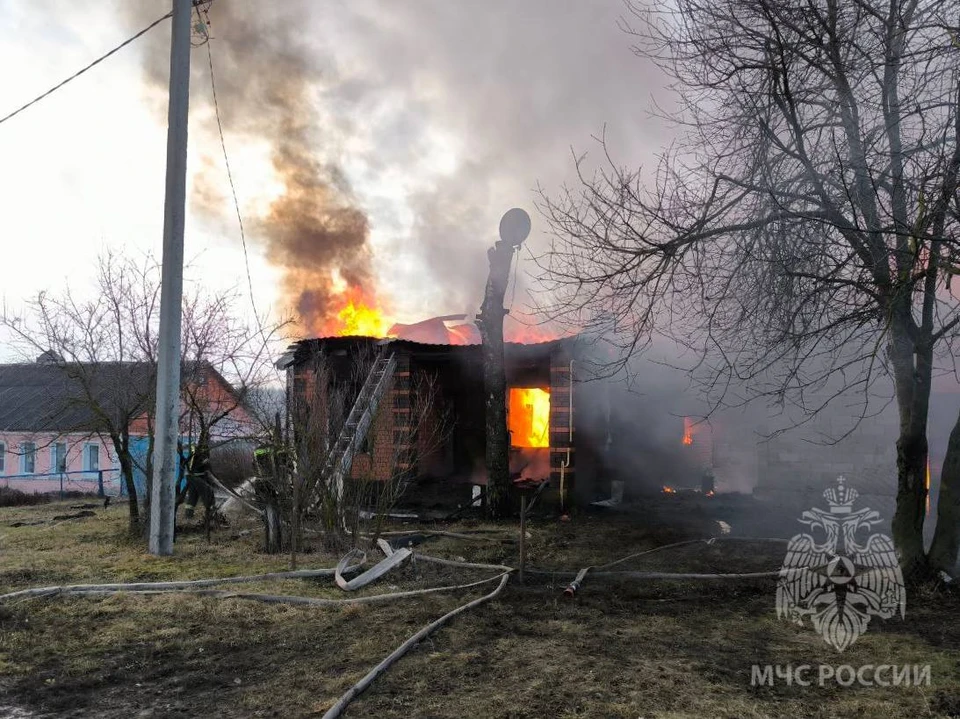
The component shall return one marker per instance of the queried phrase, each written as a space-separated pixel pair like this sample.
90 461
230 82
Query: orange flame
522 328
669 490
927 485
687 431
528 417
362 315
363 321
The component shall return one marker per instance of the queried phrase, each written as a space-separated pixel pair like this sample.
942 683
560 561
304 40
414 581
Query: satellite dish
514 226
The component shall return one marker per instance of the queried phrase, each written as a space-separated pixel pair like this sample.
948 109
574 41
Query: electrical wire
233 189
83 70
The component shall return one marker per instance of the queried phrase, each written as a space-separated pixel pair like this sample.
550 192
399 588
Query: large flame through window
528 417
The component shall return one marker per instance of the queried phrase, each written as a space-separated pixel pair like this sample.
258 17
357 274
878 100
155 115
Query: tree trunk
490 324
946 537
911 505
121 445
126 470
148 480
273 528
912 370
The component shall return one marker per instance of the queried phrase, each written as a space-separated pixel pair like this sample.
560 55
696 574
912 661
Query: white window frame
32 454
86 457
56 459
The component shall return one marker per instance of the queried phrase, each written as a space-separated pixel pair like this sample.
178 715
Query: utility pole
163 491
514 228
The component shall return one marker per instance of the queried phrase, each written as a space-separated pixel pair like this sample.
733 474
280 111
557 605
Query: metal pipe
563 486
566 462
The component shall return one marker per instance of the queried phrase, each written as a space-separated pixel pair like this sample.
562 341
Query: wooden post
514 228
490 324
285 476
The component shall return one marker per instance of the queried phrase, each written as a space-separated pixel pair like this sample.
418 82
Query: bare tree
302 486
802 235
106 348
227 365
102 346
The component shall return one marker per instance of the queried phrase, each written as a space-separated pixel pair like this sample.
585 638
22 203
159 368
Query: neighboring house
49 434
209 396
52 436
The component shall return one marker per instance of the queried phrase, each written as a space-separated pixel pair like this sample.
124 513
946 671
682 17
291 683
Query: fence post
61 486
100 492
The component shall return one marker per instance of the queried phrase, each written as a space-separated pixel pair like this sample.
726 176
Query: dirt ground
663 649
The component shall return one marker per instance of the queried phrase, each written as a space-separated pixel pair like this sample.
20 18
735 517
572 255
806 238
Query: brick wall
403 439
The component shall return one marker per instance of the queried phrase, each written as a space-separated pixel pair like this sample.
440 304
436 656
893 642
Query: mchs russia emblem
839 574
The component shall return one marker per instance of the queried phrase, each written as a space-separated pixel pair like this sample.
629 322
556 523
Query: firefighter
267 495
263 458
199 486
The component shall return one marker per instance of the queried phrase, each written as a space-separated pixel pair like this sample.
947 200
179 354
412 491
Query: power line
83 70
233 189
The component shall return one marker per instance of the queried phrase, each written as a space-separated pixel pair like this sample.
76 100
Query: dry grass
618 650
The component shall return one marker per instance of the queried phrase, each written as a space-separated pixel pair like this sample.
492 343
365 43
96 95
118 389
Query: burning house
411 405
398 407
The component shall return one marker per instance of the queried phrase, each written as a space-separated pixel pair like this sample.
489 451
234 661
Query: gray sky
430 118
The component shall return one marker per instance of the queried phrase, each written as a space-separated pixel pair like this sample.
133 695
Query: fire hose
94 590
353 692
168 586
574 586
198 587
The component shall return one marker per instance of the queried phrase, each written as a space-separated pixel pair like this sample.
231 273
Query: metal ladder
340 457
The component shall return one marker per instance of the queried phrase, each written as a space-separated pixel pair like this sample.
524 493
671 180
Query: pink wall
43 464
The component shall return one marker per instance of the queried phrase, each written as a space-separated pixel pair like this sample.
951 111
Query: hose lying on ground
452 535
456 563
173 586
687 575
337 709
198 586
265 598
572 588
392 560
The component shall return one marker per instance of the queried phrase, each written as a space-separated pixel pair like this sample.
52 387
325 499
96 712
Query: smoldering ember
480 359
